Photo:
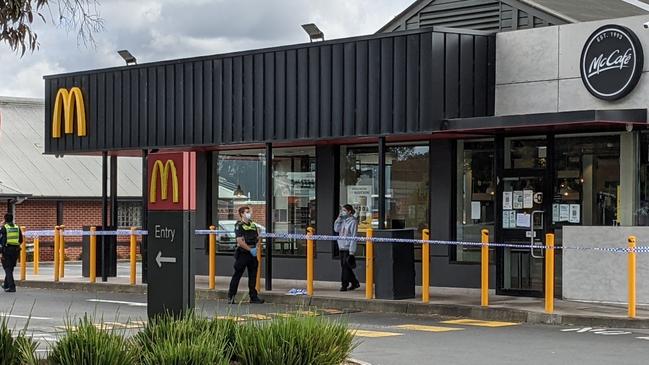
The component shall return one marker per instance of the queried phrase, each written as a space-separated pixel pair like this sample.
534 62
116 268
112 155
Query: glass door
523 185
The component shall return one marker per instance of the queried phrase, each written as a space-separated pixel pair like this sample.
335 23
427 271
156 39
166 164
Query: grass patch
190 340
18 350
295 340
87 344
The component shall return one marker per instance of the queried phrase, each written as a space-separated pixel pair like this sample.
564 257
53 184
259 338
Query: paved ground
382 338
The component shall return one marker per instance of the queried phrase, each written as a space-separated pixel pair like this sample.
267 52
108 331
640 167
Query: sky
155 30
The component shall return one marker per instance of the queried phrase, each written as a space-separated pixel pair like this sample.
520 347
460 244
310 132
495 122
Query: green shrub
87 344
20 350
295 340
190 340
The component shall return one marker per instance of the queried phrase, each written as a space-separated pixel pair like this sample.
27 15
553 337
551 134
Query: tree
17 19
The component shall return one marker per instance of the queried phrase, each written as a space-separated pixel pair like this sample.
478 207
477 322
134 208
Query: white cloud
156 30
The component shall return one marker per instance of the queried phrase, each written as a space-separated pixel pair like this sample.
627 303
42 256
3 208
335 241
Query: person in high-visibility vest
10 238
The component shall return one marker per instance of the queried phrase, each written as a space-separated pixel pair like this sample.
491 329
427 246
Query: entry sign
172 204
611 62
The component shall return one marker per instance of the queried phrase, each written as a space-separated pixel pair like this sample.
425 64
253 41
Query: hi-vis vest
13 234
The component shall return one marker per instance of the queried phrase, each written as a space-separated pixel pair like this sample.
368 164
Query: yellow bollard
309 261
37 254
259 261
484 266
57 238
212 258
632 276
425 266
549 273
369 264
93 255
133 255
62 252
23 256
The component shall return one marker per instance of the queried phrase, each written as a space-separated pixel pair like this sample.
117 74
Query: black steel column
145 215
104 212
269 216
113 191
382 192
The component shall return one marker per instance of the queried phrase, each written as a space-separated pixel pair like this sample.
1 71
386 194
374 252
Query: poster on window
528 199
360 197
575 213
555 213
518 199
505 218
564 212
507 200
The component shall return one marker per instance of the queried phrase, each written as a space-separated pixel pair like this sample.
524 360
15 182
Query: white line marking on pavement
22 317
643 338
131 304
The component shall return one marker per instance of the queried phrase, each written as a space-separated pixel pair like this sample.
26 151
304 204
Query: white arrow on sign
160 259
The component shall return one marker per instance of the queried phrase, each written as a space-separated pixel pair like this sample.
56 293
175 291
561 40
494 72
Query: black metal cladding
402 82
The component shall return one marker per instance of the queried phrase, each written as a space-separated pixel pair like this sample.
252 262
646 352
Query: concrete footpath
448 302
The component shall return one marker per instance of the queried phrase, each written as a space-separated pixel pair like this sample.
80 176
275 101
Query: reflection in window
476 190
407 187
242 182
294 199
588 181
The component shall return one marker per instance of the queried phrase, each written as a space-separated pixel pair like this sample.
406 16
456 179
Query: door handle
541 212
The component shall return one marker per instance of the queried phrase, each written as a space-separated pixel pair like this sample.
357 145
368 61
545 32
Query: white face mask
247 215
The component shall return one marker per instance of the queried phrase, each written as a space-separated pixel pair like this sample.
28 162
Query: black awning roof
575 121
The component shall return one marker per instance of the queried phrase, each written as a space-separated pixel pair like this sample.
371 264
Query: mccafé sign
611 62
163 175
70 105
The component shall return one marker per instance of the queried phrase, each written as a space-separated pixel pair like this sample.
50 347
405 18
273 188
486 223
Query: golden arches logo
71 102
162 171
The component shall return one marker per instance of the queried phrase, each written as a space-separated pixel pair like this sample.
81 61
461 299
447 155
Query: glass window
129 214
359 183
294 198
476 190
642 212
407 187
588 181
241 182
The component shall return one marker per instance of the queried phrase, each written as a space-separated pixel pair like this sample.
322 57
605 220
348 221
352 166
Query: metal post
549 273
212 258
269 216
37 254
369 264
23 256
260 247
145 216
632 276
57 235
62 252
93 255
309 261
104 212
425 266
113 211
382 191
484 265
133 255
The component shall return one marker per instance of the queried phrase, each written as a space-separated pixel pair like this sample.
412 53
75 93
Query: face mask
247 215
343 213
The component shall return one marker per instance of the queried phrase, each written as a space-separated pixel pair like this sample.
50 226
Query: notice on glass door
528 199
555 213
507 200
575 213
518 199
506 219
475 210
564 212
523 220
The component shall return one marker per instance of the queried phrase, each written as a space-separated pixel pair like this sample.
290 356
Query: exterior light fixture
313 31
128 57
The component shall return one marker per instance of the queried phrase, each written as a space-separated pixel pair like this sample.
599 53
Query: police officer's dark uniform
244 259
10 238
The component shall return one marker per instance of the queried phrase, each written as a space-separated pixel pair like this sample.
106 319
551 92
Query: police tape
298 236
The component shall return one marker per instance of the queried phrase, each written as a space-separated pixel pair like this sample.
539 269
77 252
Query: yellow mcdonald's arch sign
71 102
162 171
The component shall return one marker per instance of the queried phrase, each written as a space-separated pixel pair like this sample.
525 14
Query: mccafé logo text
72 104
161 171
611 62
614 61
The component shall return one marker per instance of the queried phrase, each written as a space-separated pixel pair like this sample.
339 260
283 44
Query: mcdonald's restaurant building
521 132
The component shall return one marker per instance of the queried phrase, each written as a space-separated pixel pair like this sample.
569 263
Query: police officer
245 256
10 239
